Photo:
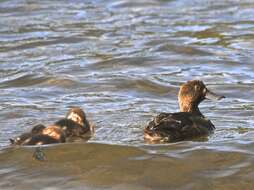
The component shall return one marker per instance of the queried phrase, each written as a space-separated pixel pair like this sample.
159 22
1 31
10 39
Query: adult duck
187 124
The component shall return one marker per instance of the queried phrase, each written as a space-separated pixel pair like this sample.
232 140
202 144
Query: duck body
173 127
40 135
73 125
72 128
187 124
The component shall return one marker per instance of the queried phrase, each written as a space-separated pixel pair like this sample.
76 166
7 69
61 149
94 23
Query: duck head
26 137
77 115
192 93
23 138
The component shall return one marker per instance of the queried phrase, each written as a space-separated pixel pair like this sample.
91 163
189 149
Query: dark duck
187 124
75 124
26 137
40 135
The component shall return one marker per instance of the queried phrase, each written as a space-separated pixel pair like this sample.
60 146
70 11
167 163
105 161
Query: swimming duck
187 124
75 124
40 135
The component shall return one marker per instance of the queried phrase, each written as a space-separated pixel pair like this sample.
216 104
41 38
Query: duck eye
196 87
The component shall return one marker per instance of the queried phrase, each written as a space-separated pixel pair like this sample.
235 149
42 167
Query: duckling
40 135
25 137
75 124
187 124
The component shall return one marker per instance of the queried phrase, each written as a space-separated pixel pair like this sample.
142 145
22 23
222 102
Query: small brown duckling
40 135
25 137
187 124
75 124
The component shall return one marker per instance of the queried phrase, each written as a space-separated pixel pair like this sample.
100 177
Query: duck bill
212 96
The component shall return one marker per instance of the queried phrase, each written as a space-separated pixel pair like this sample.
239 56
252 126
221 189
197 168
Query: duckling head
77 115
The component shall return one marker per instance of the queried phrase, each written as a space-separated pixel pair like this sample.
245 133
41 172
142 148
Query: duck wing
172 127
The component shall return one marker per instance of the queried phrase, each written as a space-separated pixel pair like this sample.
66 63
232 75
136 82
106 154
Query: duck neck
191 108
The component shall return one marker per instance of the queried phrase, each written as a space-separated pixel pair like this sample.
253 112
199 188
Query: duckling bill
187 124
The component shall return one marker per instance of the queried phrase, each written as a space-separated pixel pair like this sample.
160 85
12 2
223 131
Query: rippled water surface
123 62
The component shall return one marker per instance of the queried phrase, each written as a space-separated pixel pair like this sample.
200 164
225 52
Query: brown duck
187 124
40 135
75 124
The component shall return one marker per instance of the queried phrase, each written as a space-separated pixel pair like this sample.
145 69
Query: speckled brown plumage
75 124
40 135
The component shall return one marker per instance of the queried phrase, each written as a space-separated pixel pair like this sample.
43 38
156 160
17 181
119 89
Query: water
123 62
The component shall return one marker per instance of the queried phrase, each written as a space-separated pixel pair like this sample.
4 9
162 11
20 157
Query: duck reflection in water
187 124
